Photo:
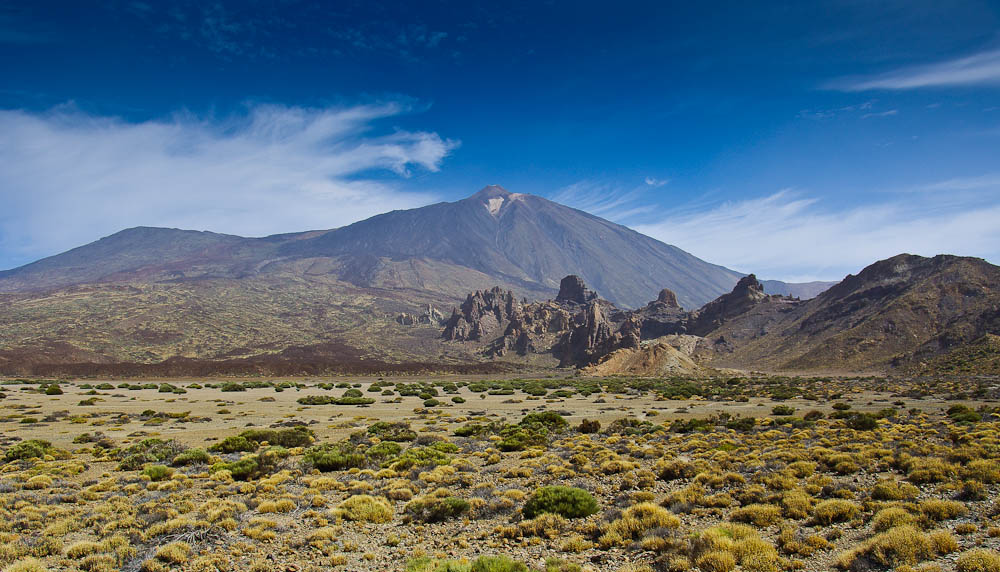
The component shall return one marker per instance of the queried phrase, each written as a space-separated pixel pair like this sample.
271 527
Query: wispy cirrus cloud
982 68
68 177
790 235
603 199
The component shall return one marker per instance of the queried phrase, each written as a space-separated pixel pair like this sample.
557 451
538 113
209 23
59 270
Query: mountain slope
526 240
520 241
893 312
126 254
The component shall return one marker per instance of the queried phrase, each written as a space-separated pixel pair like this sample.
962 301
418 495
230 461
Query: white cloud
67 177
790 236
989 181
978 69
654 182
601 199
888 113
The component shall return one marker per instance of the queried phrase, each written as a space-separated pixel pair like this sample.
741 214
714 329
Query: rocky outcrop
593 335
667 299
748 293
430 316
573 290
483 314
662 316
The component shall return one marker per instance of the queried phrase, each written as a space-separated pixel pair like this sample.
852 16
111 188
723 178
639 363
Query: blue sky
795 140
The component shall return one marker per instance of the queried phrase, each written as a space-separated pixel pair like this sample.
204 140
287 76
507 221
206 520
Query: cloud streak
978 69
791 236
603 199
67 177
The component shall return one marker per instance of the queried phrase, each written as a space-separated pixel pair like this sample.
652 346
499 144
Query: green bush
434 509
550 420
567 502
961 414
862 422
497 564
230 386
782 410
148 451
53 389
253 466
399 432
475 430
334 457
327 400
157 472
242 470
299 436
190 457
30 449
517 438
234 444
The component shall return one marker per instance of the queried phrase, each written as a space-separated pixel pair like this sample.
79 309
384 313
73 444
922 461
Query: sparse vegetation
659 487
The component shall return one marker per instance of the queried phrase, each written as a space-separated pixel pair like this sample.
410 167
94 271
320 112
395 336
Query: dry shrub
921 470
548 525
174 553
716 561
636 521
83 548
757 514
892 490
940 509
978 560
365 508
891 517
796 504
835 510
26 565
892 548
741 543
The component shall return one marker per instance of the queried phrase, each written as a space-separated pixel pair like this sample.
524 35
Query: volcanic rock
572 289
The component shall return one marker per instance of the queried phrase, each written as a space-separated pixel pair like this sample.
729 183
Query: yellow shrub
716 561
26 565
365 508
892 548
757 514
891 518
635 521
796 504
940 509
83 548
835 510
978 560
174 553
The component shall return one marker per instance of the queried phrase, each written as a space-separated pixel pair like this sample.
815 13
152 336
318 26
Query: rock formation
483 314
748 293
430 316
572 289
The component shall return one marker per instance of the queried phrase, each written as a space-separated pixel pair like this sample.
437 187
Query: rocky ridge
580 329
907 312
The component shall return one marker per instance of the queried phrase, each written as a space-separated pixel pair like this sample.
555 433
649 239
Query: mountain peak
494 198
491 191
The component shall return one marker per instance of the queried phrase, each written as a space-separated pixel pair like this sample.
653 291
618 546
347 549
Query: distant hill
803 290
